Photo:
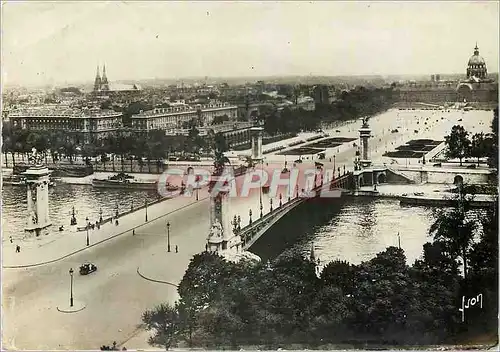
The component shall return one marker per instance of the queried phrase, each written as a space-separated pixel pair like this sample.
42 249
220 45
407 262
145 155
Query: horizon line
203 78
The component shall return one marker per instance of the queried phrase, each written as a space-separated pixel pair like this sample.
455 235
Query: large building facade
173 117
475 87
80 125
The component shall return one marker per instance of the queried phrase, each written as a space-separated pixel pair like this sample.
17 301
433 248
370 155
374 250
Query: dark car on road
87 268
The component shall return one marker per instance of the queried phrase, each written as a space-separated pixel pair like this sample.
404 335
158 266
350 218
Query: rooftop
63 112
181 108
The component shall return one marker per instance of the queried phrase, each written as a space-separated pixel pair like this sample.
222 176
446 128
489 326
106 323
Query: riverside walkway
48 249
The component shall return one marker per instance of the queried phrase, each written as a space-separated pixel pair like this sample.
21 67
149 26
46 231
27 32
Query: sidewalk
51 248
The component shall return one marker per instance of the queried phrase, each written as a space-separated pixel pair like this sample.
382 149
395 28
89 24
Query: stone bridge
255 229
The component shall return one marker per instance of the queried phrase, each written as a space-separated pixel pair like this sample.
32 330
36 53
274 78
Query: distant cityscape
89 114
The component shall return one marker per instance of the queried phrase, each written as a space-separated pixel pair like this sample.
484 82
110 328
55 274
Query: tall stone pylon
256 133
220 225
37 179
364 135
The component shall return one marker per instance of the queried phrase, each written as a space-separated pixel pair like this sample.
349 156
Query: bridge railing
248 232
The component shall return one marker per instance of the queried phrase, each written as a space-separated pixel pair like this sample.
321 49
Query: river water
352 229
87 200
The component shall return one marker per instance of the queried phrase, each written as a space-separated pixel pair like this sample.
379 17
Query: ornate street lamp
73 217
281 202
71 287
87 228
289 185
271 204
100 215
168 236
239 223
235 224
260 189
250 217
146 208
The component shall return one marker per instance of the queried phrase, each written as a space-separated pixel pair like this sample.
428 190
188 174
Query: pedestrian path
46 250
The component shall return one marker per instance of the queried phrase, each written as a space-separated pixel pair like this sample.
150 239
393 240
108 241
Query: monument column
37 178
256 133
364 135
220 227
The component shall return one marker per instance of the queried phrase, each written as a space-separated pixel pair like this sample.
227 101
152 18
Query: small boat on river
126 181
19 180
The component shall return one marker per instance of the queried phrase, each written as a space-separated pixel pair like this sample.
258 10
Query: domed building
476 66
476 87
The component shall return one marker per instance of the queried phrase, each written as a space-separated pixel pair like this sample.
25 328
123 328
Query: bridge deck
253 231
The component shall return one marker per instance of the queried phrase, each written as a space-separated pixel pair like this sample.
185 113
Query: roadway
116 295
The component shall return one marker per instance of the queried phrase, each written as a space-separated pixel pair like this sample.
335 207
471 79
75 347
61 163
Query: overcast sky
64 42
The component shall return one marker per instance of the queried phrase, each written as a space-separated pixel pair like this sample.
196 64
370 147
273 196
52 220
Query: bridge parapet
253 231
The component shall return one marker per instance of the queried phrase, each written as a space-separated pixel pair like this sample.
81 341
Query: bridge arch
382 178
458 180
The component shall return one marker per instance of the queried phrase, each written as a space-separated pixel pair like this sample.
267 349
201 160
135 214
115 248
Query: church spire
104 78
105 85
97 82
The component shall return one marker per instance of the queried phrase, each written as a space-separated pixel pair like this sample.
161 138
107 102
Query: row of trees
381 301
351 104
462 144
124 143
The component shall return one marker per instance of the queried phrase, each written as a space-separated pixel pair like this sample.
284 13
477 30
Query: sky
63 42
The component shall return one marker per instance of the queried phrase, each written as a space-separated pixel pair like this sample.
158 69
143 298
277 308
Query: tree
220 146
165 322
383 295
331 314
340 274
493 154
484 253
202 288
294 288
437 281
454 230
458 143
484 273
89 151
205 275
479 146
